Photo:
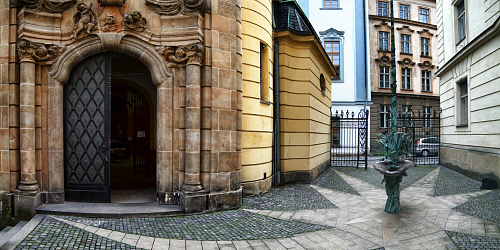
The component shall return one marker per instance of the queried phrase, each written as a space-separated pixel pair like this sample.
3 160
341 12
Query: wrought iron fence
349 139
424 130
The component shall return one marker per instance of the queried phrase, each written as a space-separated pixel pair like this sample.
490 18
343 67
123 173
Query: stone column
193 115
27 196
27 124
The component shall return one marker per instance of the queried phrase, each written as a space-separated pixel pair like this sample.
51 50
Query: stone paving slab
350 221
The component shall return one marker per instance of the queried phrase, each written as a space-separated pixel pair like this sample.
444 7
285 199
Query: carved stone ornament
135 21
181 55
111 2
109 24
172 7
85 21
39 52
52 6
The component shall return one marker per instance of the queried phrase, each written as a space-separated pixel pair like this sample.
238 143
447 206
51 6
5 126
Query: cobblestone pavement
332 180
489 204
451 182
289 198
353 221
469 241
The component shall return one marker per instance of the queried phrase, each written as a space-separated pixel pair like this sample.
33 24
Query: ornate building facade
416 38
100 96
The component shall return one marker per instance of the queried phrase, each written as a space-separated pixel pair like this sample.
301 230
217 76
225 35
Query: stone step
10 233
110 210
17 234
4 231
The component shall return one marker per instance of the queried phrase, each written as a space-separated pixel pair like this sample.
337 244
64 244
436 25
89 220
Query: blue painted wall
360 47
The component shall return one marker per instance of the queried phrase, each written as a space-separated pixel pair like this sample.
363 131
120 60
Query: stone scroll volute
180 56
40 53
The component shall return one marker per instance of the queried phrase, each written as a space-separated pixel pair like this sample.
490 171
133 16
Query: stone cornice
402 21
172 7
52 6
484 37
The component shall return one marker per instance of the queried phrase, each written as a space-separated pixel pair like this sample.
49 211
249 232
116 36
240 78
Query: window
335 131
426 80
385 119
424 15
322 84
384 76
407 111
333 50
265 78
461 21
383 8
330 4
405 44
404 12
427 116
406 78
463 115
425 46
383 40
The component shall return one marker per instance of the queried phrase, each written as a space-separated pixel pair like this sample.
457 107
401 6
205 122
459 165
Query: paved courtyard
342 209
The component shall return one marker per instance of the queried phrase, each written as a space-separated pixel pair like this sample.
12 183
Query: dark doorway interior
132 151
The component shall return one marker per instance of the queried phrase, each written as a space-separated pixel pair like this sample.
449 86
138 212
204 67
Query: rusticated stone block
239 120
14 116
227 79
221 141
206 76
227 41
214 162
221 98
206 97
236 61
205 118
4 161
228 161
4 181
220 59
219 182
4 138
205 158
229 10
235 180
14 159
226 120
220 23
194 202
234 100
215 119
239 81
224 201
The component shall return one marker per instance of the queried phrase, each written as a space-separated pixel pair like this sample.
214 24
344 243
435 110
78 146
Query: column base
191 187
53 197
225 200
194 202
26 203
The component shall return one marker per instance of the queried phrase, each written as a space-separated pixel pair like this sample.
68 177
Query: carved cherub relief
109 23
182 55
85 20
135 21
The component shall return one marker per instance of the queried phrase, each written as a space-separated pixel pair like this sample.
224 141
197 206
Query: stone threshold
110 210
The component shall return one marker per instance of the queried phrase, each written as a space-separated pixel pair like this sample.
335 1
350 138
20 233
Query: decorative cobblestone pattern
375 178
486 207
289 198
332 180
229 225
451 182
469 241
54 234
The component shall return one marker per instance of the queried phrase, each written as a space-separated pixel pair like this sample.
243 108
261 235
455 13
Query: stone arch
59 75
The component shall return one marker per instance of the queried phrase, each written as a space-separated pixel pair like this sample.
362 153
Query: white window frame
463 103
405 43
426 80
425 48
423 17
427 112
404 13
461 21
383 41
406 78
385 110
383 11
385 72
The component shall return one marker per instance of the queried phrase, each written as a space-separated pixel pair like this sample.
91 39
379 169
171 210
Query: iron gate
424 131
349 139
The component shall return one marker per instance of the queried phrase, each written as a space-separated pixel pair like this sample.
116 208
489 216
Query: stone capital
40 53
180 56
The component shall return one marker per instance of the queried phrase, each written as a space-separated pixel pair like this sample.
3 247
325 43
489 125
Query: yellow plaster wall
305 111
257 116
